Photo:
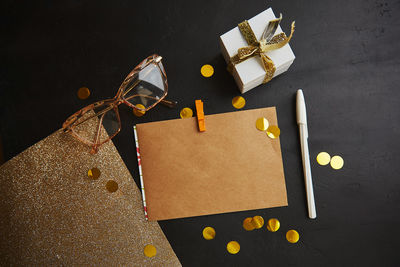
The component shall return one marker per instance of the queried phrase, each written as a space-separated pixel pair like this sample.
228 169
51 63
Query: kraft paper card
52 213
230 167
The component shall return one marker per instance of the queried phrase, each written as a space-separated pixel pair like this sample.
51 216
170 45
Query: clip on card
200 115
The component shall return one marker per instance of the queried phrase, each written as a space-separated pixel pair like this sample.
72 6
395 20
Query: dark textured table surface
347 63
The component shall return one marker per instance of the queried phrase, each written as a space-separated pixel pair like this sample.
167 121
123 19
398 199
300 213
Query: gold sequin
337 162
273 131
262 124
247 224
323 158
150 251
238 102
258 222
273 225
94 173
208 233
83 93
138 112
186 113
292 236
112 186
207 70
233 247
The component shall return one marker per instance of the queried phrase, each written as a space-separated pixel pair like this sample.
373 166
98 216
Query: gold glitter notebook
230 167
52 213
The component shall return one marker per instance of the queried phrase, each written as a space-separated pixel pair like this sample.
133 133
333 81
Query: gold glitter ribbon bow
268 42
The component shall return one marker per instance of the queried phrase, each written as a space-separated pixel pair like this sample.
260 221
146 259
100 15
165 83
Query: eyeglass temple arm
168 103
95 115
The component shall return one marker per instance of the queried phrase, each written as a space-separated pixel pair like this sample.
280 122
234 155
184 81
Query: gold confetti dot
258 222
94 173
186 113
238 102
273 225
112 186
247 224
337 162
83 93
273 131
207 70
150 251
138 112
233 247
323 158
208 233
262 124
292 236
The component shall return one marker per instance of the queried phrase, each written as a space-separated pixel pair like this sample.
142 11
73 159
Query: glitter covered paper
53 213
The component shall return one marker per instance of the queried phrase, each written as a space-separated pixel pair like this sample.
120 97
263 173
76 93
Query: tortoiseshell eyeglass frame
112 104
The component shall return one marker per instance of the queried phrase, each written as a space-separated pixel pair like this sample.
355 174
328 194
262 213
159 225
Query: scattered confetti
323 158
273 131
207 70
247 224
238 102
186 113
258 222
337 162
233 247
138 112
208 233
262 124
112 186
150 251
83 93
94 173
292 236
273 225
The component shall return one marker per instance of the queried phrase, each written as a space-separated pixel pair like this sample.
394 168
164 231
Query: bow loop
247 51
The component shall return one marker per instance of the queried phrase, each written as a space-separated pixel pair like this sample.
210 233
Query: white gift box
250 73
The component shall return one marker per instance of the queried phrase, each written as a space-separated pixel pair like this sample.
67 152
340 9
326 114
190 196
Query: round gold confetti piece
262 124
292 236
186 113
83 93
208 233
138 112
112 186
273 225
323 158
94 173
233 247
247 225
238 102
258 222
273 131
337 162
150 251
207 70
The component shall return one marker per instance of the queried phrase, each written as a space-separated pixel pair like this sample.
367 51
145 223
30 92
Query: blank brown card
230 167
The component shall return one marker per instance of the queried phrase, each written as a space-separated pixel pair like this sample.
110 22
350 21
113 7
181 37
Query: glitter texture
54 214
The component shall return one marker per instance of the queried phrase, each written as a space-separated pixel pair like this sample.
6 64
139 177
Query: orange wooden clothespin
200 115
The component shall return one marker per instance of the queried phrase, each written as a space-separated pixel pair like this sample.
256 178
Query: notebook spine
140 173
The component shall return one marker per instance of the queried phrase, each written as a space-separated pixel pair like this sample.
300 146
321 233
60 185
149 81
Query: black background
347 63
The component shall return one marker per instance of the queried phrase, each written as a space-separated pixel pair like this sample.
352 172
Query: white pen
303 131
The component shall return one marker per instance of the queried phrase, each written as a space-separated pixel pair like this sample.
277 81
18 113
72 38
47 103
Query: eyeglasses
144 87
